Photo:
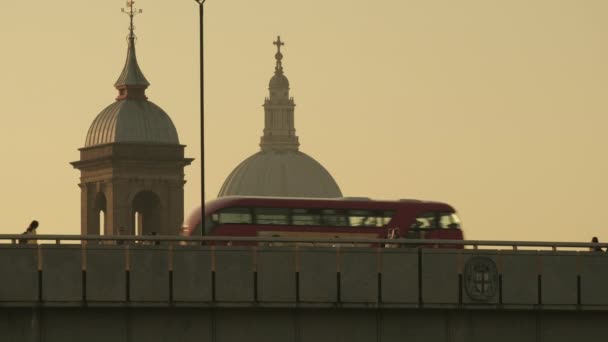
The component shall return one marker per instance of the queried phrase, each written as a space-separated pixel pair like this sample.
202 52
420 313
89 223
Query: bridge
95 288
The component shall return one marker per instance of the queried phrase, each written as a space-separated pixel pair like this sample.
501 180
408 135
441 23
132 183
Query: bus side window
426 220
449 221
305 217
334 217
362 218
234 216
271 215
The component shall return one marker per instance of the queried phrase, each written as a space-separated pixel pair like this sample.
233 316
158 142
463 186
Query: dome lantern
278 82
279 125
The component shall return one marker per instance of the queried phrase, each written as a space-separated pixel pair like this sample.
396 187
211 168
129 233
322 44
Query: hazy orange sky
497 107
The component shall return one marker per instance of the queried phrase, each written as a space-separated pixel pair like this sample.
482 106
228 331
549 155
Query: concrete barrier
163 275
106 274
192 274
19 270
318 275
520 271
276 275
440 276
559 272
149 274
594 278
61 273
359 270
399 276
234 277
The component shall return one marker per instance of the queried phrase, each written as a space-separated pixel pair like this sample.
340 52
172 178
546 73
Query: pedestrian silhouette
31 230
595 248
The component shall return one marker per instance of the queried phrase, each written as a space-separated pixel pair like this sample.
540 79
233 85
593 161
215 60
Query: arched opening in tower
146 213
100 211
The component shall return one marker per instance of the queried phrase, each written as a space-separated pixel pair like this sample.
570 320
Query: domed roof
279 80
289 173
132 118
133 121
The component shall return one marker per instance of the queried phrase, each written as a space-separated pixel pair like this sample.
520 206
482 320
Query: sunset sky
496 107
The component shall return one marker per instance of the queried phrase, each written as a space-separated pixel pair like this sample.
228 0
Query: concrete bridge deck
295 293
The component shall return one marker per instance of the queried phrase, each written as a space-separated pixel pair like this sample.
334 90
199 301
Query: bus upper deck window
305 217
234 216
426 220
363 218
449 220
271 215
334 217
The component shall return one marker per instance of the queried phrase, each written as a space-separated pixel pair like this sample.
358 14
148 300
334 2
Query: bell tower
132 164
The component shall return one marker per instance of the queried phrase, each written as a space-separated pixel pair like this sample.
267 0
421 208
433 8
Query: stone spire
279 126
131 83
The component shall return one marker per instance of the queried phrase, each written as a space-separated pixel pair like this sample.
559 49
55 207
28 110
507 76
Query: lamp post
202 95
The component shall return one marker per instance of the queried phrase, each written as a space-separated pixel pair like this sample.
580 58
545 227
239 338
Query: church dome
288 173
132 121
280 169
132 118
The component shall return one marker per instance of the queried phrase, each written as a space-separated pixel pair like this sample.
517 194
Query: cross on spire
278 43
131 11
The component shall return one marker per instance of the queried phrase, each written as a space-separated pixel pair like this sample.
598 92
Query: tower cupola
132 164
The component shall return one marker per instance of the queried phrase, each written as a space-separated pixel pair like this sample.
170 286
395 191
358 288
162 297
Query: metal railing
282 241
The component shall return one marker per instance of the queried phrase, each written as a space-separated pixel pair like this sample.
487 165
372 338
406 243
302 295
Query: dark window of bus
305 217
449 221
334 217
233 215
426 220
271 215
363 218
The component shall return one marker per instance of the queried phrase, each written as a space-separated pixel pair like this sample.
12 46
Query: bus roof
335 203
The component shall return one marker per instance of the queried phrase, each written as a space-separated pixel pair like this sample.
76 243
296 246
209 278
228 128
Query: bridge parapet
138 272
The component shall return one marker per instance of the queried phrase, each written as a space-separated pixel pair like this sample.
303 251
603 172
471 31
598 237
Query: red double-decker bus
325 218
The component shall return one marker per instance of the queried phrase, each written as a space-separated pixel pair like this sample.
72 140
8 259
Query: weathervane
131 11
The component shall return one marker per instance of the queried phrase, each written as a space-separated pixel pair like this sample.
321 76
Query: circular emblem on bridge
481 278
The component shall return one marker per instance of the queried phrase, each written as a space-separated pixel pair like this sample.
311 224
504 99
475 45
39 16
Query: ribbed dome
132 121
280 173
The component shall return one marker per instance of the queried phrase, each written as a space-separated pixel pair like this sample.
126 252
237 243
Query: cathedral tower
132 164
279 127
280 168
